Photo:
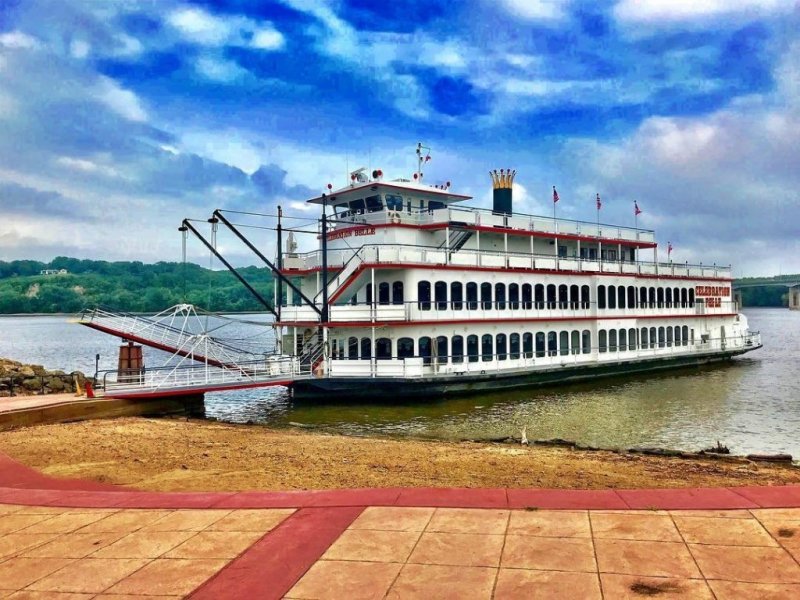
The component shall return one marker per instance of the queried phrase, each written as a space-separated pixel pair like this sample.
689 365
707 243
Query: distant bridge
792 284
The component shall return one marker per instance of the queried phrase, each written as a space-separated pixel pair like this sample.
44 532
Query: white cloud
123 102
87 166
537 10
203 28
220 69
79 49
18 40
267 39
655 11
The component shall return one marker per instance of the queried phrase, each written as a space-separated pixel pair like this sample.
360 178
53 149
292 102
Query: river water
751 404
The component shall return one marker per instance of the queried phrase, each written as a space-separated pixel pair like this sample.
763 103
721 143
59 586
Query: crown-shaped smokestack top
501 194
502 179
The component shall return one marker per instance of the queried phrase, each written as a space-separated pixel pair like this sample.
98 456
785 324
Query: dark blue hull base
374 388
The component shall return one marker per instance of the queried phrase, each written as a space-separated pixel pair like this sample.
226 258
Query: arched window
691 297
383 348
486 296
457 350
575 344
424 295
677 335
383 293
442 354
527 296
352 348
652 297
551 296
539 295
685 335
631 297
440 294
425 349
676 297
612 296
661 337
366 348
397 292
601 296
501 347
527 345
472 296
653 338
368 293
540 350
513 342
621 296
623 340
660 297
668 298
642 297
563 343
552 343
457 295
612 340
684 298
500 296
603 335
513 296
405 348
563 296
487 352
644 338
574 297
632 338
472 348
586 341
585 297
669 337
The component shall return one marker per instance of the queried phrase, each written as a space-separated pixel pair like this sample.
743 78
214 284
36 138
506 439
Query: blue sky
118 119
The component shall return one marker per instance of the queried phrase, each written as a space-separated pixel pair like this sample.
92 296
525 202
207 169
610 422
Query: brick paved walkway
72 539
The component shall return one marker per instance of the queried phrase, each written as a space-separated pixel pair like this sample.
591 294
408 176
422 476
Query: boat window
405 348
539 343
563 342
669 298
612 296
574 297
691 297
435 205
683 298
643 338
383 293
397 292
603 340
342 211
442 355
653 338
621 296
374 204
660 296
587 341
456 295
563 293
539 295
394 202
632 339
685 335
457 350
623 340
425 349
585 296
551 296
472 348
527 296
643 297
562 252
612 340
527 344
676 297
513 342
486 347
486 296
513 296
601 296
502 349
552 344
352 348
669 337
366 348
677 335
661 337
368 293
652 297
383 348
440 292
357 206
576 342
631 297
424 295
500 296
472 296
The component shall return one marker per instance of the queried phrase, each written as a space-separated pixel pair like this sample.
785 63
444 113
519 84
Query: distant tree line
125 286
770 292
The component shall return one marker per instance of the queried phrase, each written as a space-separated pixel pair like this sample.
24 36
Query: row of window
473 348
457 296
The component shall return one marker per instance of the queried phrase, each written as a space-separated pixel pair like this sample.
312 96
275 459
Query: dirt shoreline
191 455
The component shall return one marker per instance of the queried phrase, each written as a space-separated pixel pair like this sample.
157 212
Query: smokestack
501 190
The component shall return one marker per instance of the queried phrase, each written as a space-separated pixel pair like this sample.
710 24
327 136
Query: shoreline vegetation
198 455
66 286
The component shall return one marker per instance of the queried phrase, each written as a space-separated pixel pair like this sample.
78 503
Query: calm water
751 404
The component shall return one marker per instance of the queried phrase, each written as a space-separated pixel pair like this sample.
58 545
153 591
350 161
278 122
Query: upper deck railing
487 218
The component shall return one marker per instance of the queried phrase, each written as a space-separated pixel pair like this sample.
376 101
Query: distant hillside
124 286
771 292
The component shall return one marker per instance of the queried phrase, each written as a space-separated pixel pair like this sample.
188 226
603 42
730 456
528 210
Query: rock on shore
35 379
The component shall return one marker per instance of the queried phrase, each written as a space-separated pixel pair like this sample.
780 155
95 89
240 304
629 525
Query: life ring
395 218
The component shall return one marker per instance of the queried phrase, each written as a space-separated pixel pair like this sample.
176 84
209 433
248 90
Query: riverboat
425 296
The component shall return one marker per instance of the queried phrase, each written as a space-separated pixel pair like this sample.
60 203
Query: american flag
555 195
636 210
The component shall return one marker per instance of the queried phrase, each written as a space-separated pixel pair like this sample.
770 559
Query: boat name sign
353 231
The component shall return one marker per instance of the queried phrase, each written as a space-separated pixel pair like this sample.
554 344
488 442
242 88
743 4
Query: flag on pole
599 204
555 195
636 210
669 248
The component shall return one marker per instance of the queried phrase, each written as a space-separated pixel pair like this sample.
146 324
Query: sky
119 119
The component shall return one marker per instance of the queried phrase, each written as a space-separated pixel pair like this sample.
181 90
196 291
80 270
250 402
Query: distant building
53 272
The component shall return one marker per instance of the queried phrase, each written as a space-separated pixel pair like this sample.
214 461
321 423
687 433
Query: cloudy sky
118 119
